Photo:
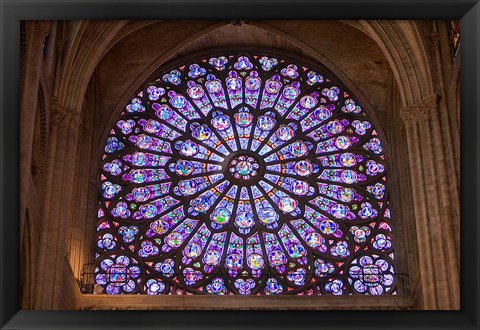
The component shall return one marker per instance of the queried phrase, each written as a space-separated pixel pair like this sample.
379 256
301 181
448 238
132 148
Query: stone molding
203 302
427 107
432 100
408 115
63 116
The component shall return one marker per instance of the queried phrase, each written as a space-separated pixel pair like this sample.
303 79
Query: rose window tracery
244 174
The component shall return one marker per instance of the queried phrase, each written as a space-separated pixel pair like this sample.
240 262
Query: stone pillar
449 129
409 116
31 73
433 210
61 171
33 34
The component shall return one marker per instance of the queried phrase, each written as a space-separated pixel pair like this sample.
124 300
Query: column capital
408 115
430 105
424 108
63 116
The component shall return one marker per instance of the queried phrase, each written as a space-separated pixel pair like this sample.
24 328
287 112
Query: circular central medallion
243 167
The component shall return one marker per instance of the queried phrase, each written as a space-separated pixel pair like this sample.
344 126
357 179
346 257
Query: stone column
61 171
433 210
445 189
32 38
409 116
450 132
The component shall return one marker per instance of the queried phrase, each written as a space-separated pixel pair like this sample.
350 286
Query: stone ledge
145 302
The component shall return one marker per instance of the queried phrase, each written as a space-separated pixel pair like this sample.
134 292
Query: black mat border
12 11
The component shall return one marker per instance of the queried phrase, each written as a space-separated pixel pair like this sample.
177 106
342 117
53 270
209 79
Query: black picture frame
12 12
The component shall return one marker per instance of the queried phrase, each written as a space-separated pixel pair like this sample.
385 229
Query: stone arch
158 61
397 39
91 39
405 50
291 43
264 35
343 76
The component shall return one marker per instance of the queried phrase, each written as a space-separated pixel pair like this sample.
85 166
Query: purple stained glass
244 174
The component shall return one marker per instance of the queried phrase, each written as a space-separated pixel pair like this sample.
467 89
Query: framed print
182 165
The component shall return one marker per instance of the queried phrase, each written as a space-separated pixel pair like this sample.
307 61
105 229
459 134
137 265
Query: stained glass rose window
244 174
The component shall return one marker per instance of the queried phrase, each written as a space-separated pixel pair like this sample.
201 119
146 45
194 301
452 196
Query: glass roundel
246 174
